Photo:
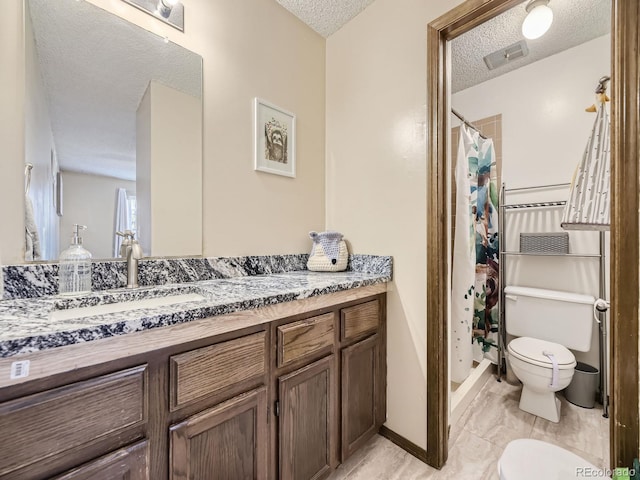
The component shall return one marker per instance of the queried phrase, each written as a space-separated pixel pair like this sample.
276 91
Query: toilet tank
560 317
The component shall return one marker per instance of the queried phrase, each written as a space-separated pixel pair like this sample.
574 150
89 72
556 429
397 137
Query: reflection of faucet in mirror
132 251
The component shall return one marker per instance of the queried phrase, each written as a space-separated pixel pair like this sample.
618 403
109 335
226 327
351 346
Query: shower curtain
588 207
475 288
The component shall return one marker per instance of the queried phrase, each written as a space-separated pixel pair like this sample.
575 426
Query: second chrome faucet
132 251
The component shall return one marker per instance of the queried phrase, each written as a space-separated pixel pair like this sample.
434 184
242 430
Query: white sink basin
82 312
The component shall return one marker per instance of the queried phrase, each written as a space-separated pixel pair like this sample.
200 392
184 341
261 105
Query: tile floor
476 442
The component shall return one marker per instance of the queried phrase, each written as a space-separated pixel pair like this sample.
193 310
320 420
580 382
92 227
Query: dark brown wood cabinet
286 399
308 421
129 463
203 372
361 383
70 421
228 441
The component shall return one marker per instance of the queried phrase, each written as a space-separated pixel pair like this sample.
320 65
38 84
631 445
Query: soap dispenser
75 266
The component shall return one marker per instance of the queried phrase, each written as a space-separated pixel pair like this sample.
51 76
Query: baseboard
407 445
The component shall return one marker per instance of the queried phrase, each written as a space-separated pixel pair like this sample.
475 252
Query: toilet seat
531 350
528 459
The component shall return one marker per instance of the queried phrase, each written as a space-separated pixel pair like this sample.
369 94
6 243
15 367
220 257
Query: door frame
625 221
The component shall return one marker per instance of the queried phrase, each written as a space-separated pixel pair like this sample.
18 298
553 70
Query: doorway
625 187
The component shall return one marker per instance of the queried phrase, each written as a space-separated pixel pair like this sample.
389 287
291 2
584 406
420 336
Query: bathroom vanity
287 390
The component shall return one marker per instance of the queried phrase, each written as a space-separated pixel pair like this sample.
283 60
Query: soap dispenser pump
75 266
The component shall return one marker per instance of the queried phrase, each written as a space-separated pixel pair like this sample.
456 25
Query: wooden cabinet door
228 441
308 421
361 384
129 463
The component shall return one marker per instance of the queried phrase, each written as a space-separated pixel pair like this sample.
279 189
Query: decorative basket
328 253
555 243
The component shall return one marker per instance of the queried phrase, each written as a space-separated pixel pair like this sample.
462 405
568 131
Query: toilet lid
530 350
528 459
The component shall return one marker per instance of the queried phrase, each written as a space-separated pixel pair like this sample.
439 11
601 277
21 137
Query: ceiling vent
506 55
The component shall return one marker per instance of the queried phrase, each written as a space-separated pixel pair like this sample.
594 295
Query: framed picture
275 139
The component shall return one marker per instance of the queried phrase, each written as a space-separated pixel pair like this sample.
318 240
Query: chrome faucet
132 251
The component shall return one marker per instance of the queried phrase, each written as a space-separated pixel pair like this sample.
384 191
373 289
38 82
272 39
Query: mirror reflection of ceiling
574 22
95 68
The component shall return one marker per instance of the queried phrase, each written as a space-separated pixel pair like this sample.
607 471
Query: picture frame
274 139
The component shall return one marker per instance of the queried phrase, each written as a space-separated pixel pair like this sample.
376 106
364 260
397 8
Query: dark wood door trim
625 228
456 22
625 231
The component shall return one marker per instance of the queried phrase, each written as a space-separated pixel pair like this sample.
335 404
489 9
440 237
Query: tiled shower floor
492 420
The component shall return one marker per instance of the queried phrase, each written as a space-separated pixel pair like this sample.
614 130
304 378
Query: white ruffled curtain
474 308
464 266
122 220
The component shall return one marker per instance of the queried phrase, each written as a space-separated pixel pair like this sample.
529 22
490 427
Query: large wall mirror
113 134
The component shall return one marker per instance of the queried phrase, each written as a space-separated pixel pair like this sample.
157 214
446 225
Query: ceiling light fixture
539 19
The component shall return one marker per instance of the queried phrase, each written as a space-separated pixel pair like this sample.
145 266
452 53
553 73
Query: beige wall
376 175
169 158
253 49
91 200
11 133
249 49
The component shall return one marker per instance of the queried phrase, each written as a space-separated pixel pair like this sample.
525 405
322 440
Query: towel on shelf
32 241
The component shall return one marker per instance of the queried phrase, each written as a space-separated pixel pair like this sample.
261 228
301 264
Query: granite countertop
26 324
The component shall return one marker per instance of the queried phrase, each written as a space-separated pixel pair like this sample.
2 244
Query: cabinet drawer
206 371
359 320
129 463
63 419
300 339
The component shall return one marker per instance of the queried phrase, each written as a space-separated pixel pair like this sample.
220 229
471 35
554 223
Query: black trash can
583 387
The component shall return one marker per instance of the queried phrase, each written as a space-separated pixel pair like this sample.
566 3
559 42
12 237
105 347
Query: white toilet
548 323
528 459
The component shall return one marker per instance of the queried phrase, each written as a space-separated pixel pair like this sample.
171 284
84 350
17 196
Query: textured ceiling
325 16
95 68
574 22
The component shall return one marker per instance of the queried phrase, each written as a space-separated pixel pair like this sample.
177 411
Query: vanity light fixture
165 7
539 19
169 11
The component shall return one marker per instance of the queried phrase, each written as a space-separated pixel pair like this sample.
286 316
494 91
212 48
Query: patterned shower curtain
474 311
588 207
484 201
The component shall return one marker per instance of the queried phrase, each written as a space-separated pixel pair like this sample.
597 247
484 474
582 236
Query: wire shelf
514 206
525 254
